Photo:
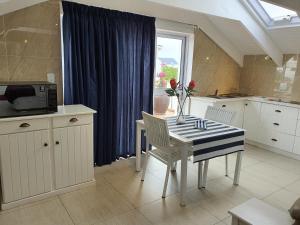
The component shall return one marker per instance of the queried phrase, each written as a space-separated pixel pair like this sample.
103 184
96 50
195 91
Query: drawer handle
223 106
45 144
279 111
24 125
276 124
73 120
57 142
273 139
246 104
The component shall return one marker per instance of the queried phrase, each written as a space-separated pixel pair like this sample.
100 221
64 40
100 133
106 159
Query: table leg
205 170
138 153
238 168
183 180
200 174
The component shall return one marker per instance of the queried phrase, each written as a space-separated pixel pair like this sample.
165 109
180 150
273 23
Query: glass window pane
277 12
168 64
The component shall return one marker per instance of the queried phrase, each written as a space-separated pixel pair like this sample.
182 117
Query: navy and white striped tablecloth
217 140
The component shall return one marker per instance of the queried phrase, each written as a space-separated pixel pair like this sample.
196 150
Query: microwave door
29 103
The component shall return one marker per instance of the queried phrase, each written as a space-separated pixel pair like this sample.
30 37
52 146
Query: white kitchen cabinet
282 141
279 118
45 155
73 155
234 106
298 128
252 120
297 146
25 164
199 106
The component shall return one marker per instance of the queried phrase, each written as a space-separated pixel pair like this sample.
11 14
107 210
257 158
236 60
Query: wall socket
51 77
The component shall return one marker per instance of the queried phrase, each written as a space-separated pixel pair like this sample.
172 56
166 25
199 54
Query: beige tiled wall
213 68
30 44
261 76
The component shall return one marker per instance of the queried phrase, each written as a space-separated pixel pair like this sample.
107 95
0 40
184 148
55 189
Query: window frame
268 21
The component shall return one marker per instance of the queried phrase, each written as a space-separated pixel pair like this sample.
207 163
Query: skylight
277 12
273 15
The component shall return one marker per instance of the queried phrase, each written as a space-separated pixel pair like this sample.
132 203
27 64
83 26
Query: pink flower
162 74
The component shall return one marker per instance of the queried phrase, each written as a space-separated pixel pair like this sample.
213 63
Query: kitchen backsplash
30 44
213 68
261 76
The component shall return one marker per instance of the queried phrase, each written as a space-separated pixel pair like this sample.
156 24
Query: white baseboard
272 149
6 206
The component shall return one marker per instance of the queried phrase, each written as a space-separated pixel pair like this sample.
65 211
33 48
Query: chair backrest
157 131
219 115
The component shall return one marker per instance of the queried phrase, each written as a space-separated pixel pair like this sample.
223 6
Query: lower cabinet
278 140
297 146
73 158
25 164
42 156
252 120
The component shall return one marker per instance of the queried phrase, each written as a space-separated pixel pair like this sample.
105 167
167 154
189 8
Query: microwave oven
27 98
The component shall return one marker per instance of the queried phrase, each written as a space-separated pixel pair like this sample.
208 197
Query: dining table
216 140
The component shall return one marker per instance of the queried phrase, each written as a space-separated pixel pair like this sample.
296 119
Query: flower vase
181 101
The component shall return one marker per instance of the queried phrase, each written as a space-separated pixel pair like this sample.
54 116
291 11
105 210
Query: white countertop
250 98
62 110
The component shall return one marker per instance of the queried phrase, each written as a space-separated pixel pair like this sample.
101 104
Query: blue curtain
109 59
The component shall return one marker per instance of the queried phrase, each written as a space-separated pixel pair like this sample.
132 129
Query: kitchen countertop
62 110
250 98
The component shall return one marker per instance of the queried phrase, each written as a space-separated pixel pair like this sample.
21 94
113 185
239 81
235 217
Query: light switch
51 77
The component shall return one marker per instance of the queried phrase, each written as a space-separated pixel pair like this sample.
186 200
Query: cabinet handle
24 125
73 120
246 104
279 111
276 124
223 106
273 139
57 142
45 144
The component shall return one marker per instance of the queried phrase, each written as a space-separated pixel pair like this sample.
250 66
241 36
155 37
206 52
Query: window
273 15
170 63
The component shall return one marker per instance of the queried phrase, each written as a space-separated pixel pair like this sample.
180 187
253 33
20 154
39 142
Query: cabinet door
237 107
252 120
25 164
73 155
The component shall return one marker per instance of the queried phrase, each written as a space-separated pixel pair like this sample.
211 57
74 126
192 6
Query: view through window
169 64
276 12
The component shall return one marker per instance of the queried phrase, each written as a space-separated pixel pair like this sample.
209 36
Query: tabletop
187 133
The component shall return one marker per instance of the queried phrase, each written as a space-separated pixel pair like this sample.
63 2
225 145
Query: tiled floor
119 198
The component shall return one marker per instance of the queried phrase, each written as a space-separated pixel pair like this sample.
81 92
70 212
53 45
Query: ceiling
236 32
286 39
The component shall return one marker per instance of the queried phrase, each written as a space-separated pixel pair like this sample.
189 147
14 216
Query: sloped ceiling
233 32
236 32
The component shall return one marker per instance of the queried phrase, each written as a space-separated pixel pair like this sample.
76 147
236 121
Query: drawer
297 146
74 120
279 140
279 118
24 125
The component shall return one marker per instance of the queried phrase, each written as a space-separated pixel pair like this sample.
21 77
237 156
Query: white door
73 155
25 164
252 120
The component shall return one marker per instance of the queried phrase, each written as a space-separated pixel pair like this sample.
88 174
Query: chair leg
174 166
205 170
226 165
200 174
166 180
145 166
